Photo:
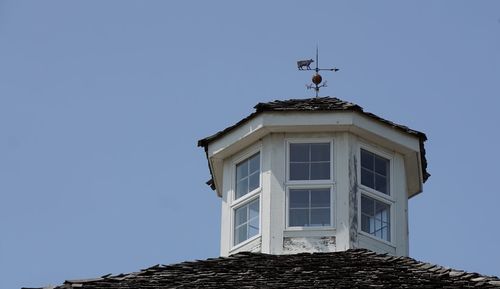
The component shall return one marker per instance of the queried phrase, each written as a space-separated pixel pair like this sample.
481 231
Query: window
246 222
375 172
376 197
247 176
376 218
310 184
245 203
309 207
309 161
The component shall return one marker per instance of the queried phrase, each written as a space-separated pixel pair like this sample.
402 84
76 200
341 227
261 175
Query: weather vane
316 79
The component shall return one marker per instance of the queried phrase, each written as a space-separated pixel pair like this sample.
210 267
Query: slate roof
355 268
319 104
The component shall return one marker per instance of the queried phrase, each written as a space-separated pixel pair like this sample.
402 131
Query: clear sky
102 103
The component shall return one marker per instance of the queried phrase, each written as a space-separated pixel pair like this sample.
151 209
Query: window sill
376 194
246 242
377 239
295 229
246 197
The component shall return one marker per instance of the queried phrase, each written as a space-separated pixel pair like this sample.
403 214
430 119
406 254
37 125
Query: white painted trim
317 228
392 218
233 209
242 156
243 244
385 154
293 140
375 238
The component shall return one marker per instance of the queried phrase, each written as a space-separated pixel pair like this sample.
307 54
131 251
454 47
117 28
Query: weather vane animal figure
316 79
304 63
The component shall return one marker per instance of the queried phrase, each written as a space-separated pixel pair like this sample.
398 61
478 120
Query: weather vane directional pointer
316 79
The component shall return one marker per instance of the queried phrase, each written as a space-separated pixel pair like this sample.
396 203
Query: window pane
382 211
254 209
253 228
365 223
247 175
367 160
240 216
385 234
240 234
299 171
320 217
367 178
320 171
255 163
299 199
375 218
381 184
299 217
299 152
381 165
242 188
246 221
253 182
320 198
367 206
241 170
320 152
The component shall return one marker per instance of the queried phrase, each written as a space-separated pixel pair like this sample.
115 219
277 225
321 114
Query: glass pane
367 206
367 178
254 209
320 198
320 152
241 170
378 225
384 234
299 152
299 171
299 217
320 171
381 165
253 182
255 163
382 211
365 223
241 188
253 228
240 216
366 160
299 199
381 184
320 217
240 234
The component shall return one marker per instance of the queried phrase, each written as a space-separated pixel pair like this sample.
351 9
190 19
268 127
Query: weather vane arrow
316 79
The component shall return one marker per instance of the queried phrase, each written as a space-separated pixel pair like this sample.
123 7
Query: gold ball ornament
316 79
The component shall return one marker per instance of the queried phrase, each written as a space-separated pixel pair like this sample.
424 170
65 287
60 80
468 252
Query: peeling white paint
293 245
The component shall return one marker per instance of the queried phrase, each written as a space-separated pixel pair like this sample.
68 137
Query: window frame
310 184
376 195
383 154
309 228
236 203
233 228
308 141
238 160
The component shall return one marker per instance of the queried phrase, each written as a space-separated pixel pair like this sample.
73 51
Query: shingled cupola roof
319 104
355 268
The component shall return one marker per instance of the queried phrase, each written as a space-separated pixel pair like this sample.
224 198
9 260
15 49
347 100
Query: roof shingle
318 104
355 268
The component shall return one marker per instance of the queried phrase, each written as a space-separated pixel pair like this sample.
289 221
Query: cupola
315 175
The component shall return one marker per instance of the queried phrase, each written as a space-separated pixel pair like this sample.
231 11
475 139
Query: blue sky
102 102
